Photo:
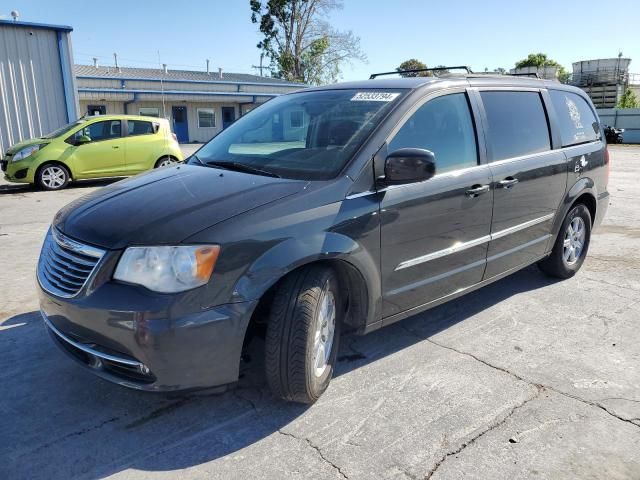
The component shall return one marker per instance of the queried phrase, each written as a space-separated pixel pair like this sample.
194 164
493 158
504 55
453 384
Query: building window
150 112
96 110
297 119
206 118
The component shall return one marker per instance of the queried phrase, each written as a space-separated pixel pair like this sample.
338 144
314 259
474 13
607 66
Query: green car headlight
27 152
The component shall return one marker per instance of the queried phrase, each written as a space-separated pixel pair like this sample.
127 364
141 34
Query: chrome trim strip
473 243
442 253
89 350
74 246
519 247
361 194
522 226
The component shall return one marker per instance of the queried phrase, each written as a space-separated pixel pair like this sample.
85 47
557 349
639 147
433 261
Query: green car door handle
115 146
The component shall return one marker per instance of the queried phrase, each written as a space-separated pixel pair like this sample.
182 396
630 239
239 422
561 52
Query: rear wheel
303 334
571 245
52 176
165 162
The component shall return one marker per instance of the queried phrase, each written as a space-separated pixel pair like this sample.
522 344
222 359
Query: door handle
476 190
508 182
115 146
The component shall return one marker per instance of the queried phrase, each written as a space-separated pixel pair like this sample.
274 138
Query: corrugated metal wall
627 118
32 100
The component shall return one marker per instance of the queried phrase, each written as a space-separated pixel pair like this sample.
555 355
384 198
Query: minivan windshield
64 129
307 135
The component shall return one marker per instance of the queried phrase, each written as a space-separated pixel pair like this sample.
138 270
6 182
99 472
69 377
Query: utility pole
259 67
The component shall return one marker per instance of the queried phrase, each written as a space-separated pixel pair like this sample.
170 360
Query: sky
480 34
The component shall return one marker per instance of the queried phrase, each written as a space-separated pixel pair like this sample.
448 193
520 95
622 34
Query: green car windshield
62 130
307 135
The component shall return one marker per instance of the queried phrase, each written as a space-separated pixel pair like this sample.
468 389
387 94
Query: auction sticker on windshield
374 97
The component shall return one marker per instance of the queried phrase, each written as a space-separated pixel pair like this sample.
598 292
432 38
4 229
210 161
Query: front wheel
164 162
52 177
303 334
571 245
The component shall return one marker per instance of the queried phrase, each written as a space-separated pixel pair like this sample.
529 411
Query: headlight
27 152
168 269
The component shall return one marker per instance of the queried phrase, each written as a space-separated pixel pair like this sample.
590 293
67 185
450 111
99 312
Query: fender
581 186
293 253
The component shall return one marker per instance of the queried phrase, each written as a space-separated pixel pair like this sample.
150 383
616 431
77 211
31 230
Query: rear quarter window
578 123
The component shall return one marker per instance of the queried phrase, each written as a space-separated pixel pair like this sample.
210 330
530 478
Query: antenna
160 64
115 60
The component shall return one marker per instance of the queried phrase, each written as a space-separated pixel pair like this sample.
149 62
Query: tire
297 368
567 257
52 176
165 161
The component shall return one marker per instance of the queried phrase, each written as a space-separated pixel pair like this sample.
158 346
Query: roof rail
523 74
418 70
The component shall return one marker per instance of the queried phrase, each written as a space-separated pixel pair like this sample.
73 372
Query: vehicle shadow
17 188
63 422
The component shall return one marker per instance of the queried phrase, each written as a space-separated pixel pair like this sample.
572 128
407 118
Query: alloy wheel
574 239
324 334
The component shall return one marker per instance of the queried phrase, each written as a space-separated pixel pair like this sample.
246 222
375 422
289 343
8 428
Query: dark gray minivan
349 206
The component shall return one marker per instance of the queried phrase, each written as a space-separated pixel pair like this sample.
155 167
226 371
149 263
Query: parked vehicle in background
343 207
93 147
614 135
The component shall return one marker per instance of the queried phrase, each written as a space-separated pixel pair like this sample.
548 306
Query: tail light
607 162
175 137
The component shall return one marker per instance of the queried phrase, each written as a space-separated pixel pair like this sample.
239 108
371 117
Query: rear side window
517 124
578 124
444 126
138 127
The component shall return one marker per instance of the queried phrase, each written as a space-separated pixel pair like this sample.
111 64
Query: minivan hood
25 143
166 206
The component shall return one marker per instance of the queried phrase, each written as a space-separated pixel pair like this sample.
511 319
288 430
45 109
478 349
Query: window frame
213 110
149 108
474 112
554 140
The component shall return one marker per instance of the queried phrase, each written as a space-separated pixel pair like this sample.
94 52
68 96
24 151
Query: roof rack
418 70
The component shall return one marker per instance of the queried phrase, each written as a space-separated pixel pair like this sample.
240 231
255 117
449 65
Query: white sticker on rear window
374 97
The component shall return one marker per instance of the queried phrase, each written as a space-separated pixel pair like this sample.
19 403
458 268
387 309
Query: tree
299 41
541 60
500 70
413 64
628 100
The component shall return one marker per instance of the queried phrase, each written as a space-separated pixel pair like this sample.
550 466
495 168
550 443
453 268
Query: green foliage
299 41
541 60
628 100
413 64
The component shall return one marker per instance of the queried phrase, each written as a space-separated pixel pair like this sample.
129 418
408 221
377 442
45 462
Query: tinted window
138 127
577 122
517 124
444 126
99 131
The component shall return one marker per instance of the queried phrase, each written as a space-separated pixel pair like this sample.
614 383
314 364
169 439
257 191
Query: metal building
37 85
199 104
604 80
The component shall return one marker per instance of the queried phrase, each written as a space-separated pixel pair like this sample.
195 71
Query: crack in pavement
317 449
495 424
537 385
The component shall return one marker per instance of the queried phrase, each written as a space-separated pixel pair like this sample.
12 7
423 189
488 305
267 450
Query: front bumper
145 341
18 172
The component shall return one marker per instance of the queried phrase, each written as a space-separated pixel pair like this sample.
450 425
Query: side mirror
409 165
82 139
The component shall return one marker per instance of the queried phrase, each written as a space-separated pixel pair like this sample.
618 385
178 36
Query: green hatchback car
93 147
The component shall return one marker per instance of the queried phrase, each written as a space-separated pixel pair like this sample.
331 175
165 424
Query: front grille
3 165
65 265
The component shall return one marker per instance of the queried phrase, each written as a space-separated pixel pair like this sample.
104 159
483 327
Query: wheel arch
52 162
583 191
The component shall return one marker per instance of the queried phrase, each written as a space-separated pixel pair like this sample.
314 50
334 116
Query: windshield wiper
240 167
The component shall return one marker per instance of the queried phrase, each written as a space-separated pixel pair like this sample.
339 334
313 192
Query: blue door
180 127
